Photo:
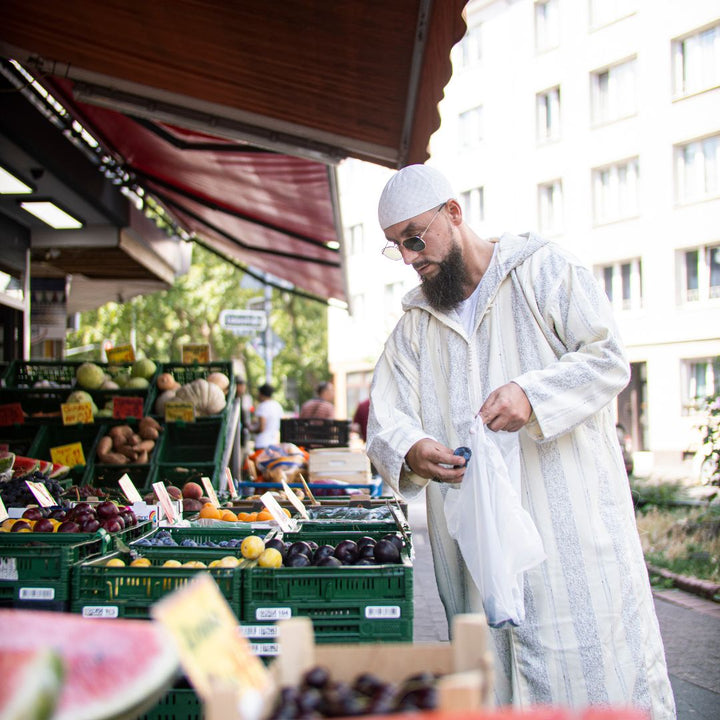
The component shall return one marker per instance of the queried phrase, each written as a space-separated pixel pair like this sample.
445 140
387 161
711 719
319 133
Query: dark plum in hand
464 452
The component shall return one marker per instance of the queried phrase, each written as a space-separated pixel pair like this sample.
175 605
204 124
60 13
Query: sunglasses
414 243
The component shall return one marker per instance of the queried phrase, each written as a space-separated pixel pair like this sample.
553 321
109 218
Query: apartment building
597 124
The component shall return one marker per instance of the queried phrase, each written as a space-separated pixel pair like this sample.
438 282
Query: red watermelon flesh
112 666
22 467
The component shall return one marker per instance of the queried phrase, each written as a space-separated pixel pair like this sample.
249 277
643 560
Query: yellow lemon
229 561
141 562
172 563
270 558
214 563
252 547
194 564
115 562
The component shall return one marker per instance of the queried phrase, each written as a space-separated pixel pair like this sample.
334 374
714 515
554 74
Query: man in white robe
517 329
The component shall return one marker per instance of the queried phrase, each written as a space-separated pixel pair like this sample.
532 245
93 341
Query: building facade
597 124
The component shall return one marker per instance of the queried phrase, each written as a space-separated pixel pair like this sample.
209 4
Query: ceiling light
51 214
10 185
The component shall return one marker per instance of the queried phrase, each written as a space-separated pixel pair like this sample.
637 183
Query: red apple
111 525
43 525
69 526
107 509
20 525
90 525
32 513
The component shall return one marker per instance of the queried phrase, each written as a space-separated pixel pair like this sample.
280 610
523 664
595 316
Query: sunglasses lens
415 243
392 252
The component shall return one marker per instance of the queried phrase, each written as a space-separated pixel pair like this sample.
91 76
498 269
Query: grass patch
685 541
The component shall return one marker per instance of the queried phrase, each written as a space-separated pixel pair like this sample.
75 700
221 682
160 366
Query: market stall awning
233 114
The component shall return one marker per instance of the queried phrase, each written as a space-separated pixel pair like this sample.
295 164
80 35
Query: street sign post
243 322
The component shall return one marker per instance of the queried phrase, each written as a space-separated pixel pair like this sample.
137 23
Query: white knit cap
412 191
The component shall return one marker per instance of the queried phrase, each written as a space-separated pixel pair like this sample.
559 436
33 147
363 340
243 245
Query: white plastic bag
497 537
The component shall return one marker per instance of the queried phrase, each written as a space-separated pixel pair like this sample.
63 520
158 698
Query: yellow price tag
195 353
120 354
175 411
73 413
211 649
70 455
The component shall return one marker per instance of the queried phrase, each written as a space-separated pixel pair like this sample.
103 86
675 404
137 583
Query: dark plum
463 452
386 552
297 560
329 561
322 552
346 551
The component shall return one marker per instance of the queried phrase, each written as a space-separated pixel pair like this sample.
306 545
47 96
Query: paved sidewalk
690 627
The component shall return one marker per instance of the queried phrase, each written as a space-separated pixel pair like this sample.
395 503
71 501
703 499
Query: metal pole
268 334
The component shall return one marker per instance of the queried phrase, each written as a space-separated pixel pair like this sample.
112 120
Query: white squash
206 397
163 399
220 379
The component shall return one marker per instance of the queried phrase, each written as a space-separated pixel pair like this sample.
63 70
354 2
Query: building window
548 114
702 381
471 47
701 273
603 12
696 61
547 24
613 92
550 207
473 206
697 170
471 129
622 282
355 235
615 192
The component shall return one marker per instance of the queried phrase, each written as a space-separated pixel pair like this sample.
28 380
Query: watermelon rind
24 467
59 471
31 684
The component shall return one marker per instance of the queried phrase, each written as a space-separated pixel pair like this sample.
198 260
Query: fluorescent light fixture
51 214
10 185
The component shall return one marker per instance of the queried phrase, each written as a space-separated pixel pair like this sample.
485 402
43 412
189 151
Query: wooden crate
348 465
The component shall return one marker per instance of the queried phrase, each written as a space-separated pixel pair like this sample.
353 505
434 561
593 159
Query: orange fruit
228 515
264 515
243 516
287 512
209 511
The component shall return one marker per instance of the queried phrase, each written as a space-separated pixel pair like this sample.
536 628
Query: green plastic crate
101 591
189 451
51 436
106 476
181 702
19 438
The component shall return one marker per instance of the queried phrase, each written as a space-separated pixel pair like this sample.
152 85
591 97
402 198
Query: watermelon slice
7 459
58 471
32 680
24 467
114 668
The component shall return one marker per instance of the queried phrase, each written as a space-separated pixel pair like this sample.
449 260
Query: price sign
212 652
3 511
11 413
294 500
165 501
121 354
277 512
127 407
70 455
73 413
183 411
195 354
210 491
41 494
128 487
230 483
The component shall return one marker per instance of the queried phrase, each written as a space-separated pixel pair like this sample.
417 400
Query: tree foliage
158 324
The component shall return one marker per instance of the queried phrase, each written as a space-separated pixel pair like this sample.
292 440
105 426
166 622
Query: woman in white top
267 418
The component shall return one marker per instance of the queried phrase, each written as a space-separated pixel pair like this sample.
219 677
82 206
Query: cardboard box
346 464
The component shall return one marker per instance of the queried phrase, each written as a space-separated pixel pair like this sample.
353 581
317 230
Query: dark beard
445 291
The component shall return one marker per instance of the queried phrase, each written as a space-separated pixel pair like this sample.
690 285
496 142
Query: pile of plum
318 695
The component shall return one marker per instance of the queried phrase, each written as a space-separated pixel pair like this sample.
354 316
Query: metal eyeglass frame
415 243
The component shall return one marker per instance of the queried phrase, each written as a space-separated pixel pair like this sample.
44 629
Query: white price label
128 487
259 631
294 500
210 491
38 593
382 612
100 611
265 649
273 613
41 493
3 511
277 512
165 501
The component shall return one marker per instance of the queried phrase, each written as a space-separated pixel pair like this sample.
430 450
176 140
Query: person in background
268 414
321 406
515 329
360 418
244 418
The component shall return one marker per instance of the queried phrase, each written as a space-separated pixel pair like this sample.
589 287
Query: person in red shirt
360 418
321 406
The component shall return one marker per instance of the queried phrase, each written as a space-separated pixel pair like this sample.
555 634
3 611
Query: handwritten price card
127 407
182 411
121 354
11 413
210 491
73 413
129 489
41 493
195 354
165 501
212 651
70 455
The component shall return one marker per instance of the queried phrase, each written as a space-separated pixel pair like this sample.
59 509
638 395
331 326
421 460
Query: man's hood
510 251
